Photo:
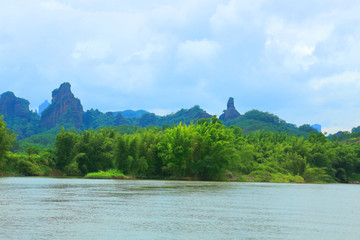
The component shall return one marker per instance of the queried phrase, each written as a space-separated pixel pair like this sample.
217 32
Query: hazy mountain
43 106
132 113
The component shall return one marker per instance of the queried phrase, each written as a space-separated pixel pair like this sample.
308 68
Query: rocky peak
10 106
62 93
64 108
230 112
43 106
230 103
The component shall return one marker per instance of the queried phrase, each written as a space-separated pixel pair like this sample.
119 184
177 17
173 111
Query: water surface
50 208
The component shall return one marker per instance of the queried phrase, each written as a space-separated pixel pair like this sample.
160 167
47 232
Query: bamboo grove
205 150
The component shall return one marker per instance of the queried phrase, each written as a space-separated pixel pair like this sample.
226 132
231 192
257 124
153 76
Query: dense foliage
6 139
205 150
24 127
256 120
96 119
109 174
352 137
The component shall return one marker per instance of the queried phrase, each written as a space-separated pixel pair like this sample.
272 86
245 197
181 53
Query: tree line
204 150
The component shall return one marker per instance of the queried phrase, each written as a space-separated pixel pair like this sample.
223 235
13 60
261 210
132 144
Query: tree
175 150
94 150
215 150
6 139
64 144
121 153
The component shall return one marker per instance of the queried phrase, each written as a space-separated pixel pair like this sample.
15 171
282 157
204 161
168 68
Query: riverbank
257 176
104 175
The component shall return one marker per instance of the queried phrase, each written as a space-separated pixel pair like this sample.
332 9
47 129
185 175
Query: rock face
43 106
64 108
12 106
230 112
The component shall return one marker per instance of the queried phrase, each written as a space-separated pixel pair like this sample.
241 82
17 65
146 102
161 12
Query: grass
109 174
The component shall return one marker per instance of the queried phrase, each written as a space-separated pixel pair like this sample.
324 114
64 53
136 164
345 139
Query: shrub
109 174
28 168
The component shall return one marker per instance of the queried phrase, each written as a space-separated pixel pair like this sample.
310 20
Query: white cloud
338 92
337 81
126 78
91 50
296 42
139 47
53 5
146 54
197 52
338 119
236 13
344 51
183 13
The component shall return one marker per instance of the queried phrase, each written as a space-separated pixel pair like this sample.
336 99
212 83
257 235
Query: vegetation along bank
204 150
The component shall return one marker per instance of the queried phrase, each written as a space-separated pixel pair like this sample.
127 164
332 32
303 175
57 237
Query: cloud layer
298 60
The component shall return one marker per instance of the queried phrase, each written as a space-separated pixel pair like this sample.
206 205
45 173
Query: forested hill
256 120
205 150
66 110
18 116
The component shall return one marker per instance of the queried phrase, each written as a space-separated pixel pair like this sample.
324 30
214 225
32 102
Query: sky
299 60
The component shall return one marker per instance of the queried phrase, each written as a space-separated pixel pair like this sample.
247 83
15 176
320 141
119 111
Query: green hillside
255 120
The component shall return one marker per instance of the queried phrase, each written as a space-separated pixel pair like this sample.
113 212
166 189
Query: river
54 208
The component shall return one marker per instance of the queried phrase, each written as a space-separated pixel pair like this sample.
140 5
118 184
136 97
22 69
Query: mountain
317 127
43 106
231 112
64 109
120 120
148 119
184 115
352 137
95 119
12 106
132 113
257 120
18 116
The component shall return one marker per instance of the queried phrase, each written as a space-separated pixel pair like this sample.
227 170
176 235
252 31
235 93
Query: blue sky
297 59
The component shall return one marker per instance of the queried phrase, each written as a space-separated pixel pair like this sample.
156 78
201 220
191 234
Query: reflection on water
50 208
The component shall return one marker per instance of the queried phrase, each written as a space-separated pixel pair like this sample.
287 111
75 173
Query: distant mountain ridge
66 110
254 120
132 113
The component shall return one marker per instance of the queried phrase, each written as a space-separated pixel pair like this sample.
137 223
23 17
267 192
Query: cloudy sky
297 59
